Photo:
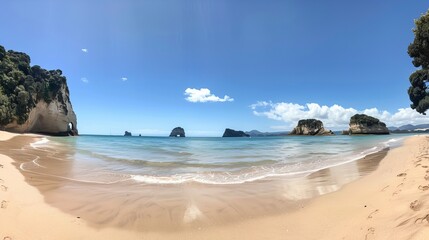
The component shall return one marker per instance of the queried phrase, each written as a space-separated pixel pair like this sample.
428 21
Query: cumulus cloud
84 80
335 116
204 95
124 79
85 50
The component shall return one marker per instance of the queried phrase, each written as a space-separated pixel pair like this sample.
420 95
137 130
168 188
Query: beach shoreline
313 219
132 205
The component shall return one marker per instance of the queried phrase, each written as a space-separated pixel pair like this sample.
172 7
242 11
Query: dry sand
390 203
4 136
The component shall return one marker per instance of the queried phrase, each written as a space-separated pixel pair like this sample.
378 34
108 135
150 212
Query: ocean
163 160
162 183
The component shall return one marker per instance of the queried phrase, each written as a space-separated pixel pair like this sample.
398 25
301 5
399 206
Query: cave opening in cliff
70 127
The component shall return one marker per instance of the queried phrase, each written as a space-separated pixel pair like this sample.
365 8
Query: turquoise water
168 183
161 160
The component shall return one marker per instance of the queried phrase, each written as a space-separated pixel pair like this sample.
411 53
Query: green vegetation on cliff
310 123
419 51
22 86
366 120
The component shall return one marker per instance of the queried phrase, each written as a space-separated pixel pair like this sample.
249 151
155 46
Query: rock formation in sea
232 133
177 132
364 124
127 134
310 127
345 132
32 99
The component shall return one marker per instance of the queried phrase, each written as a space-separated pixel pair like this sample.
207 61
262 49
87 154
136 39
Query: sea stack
232 133
310 127
127 134
177 132
364 124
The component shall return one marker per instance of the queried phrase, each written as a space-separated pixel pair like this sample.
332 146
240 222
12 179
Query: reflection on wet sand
331 179
132 205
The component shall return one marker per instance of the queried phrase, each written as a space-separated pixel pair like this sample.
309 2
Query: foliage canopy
363 119
419 51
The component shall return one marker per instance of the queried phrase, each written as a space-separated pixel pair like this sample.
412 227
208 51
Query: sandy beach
389 203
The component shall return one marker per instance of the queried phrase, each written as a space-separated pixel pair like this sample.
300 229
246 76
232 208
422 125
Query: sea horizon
335 133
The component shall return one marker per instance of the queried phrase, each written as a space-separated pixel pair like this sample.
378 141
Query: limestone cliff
54 118
364 124
33 99
310 127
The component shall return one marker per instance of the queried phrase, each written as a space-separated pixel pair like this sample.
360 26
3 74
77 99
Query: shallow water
109 159
164 184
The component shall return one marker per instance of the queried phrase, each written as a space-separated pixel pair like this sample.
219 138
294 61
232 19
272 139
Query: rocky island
33 99
232 133
364 124
310 127
127 134
177 132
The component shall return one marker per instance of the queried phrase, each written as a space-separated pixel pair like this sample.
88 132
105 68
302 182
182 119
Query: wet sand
269 209
170 207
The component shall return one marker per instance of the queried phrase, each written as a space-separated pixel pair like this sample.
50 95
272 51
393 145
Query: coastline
376 206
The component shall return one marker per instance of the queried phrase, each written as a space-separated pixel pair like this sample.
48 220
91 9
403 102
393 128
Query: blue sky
130 63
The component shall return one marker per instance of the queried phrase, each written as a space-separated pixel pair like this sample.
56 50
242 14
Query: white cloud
84 80
124 79
204 95
335 116
85 50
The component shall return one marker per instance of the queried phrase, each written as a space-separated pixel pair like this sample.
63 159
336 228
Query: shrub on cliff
22 86
365 120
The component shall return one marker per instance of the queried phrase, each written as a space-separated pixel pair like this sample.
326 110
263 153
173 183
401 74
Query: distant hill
256 133
410 128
